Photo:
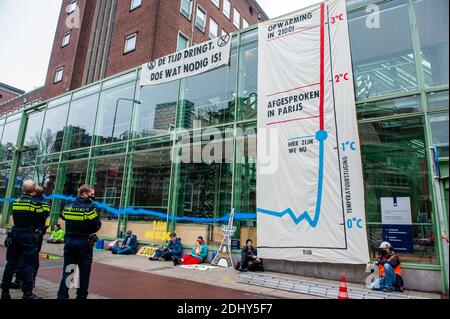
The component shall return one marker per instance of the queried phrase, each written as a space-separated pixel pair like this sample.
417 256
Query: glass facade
98 135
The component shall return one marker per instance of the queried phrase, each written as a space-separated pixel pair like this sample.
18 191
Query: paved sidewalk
219 277
46 289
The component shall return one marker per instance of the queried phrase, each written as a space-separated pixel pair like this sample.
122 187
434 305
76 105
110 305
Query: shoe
16 285
243 270
30 296
388 289
160 259
176 261
5 295
153 258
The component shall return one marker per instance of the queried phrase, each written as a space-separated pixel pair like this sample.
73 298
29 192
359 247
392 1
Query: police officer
82 222
28 216
46 206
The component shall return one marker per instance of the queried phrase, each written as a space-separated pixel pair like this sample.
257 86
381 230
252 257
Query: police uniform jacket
27 213
81 218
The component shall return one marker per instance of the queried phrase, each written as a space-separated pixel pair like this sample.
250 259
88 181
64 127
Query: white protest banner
310 191
188 62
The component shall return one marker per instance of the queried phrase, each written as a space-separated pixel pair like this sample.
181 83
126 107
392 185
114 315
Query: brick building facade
95 39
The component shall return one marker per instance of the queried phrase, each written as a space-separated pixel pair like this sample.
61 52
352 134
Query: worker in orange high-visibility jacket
390 272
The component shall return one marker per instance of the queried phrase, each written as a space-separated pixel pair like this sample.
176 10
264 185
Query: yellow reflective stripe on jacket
27 207
73 217
46 207
79 215
91 215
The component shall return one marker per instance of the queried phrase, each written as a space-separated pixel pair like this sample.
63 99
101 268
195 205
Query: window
209 98
156 114
248 87
66 39
130 43
186 8
200 21
33 130
213 29
81 120
245 23
114 114
135 4
72 6
397 149
59 75
53 129
216 3
227 8
150 172
433 40
237 19
183 42
439 130
381 69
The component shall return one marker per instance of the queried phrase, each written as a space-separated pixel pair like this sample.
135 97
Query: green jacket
57 234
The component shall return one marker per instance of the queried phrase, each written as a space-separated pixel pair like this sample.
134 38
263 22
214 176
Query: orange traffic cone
343 289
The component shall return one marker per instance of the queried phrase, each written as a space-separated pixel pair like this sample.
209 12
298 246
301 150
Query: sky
27 30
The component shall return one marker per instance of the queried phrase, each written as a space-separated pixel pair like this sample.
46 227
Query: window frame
200 8
59 70
69 34
212 21
227 14
128 37
182 35
216 3
132 8
190 9
234 18
72 6
245 23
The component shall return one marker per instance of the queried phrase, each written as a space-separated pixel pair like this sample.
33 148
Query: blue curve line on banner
321 136
140 212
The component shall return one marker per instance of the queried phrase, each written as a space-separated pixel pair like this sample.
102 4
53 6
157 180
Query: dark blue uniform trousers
21 257
77 251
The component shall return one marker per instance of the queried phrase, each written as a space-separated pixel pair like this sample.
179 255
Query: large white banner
188 62
310 192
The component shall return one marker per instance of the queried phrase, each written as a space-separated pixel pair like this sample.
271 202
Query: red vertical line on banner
322 66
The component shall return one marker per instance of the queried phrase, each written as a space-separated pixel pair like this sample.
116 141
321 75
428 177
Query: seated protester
390 272
128 247
57 236
197 255
174 249
249 258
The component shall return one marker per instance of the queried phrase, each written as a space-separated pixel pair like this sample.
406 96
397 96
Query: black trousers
247 262
77 251
20 258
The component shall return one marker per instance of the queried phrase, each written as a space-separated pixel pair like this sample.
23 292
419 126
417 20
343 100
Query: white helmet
385 245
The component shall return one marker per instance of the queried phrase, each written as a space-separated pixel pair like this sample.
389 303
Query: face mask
91 198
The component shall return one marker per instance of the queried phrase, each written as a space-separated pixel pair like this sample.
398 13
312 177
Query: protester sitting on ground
249 258
197 255
128 247
57 236
174 249
390 272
